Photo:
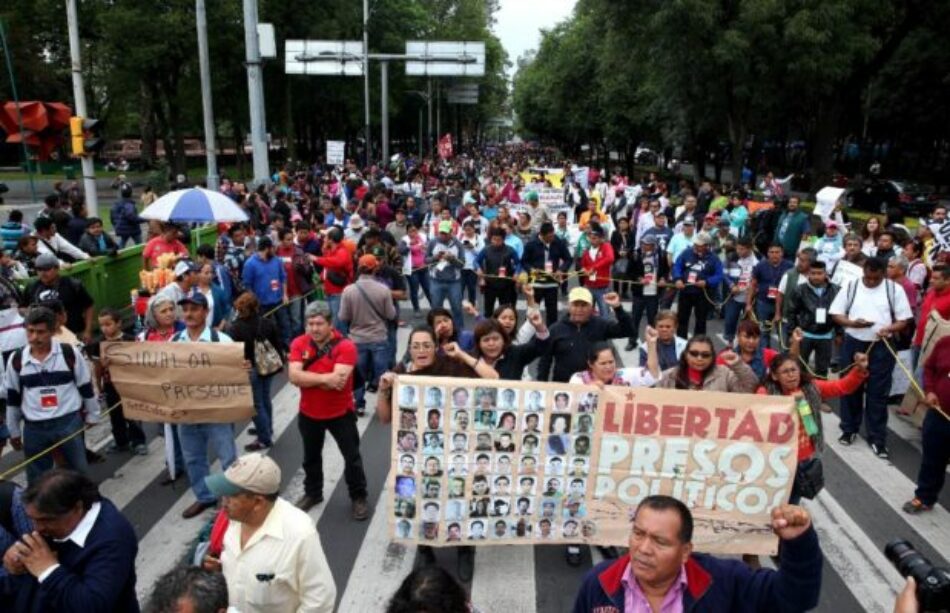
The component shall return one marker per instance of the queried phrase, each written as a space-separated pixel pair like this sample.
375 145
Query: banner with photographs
479 462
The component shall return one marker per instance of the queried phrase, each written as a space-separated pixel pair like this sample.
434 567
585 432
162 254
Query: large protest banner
181 383
509 462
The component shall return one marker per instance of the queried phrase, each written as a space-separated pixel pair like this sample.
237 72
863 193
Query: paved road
858 512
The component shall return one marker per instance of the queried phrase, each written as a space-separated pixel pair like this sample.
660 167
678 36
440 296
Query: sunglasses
700 354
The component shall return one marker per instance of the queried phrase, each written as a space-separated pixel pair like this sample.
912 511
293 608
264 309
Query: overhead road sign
445 59
324 57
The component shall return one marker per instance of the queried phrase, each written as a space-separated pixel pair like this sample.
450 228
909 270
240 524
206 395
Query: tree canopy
140 63
748 80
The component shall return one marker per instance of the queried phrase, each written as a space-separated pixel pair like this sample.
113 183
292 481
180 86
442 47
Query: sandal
915 506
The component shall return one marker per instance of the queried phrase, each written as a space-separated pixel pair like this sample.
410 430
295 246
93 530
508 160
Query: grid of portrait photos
491 461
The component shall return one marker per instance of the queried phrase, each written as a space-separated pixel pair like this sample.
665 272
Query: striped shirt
46 389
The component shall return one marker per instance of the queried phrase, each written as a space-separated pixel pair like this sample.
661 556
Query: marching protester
809 311
51 285
495 347
197 438
368 310
50 242
267 536
574 333
697 370
254 330
423 362
872 310
695 273
48 393
662 567
649 271
80 555
763 291
546 259
321 365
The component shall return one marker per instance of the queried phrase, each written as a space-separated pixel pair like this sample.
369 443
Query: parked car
879 195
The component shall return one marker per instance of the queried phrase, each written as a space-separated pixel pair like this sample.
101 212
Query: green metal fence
110 280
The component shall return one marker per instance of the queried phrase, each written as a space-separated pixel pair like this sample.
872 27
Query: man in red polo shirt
321 365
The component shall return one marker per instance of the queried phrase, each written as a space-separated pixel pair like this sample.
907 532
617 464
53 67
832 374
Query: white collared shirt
282 568
79 535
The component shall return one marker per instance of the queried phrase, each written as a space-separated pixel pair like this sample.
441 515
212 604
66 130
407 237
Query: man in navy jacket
546 259
662 567
80 556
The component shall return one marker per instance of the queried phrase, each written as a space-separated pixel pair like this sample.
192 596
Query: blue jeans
764 312
598 294
333 301
263 408
195 440
38 435
134 239
419 278
372 360
295 311
280 314
453 291
870 400
732 312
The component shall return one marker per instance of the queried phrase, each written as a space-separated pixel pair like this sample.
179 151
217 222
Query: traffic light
85 136
76 136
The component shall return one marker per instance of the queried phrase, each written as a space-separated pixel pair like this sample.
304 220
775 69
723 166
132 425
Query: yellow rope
18 467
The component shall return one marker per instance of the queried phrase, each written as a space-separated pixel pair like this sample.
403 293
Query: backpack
69 356
905 336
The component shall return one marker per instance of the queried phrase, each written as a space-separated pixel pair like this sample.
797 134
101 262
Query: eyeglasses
421 346
700 354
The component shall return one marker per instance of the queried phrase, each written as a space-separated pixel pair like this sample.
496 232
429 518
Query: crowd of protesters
801 297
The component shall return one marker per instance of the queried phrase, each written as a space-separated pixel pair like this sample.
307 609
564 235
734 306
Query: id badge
49 401
742 285
274 285
501 271
821 315
773 293
648 279
548 267
692 277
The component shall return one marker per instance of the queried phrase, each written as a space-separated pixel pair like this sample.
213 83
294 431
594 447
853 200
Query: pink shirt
635 601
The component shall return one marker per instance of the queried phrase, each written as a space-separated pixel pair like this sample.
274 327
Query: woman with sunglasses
697 370
424 361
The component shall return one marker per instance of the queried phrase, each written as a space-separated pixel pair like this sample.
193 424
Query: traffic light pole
255 91
206 106
79 94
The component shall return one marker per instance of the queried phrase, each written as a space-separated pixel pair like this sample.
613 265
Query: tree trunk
822 145
147 126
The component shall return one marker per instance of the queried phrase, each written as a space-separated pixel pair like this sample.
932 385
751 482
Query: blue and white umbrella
194 205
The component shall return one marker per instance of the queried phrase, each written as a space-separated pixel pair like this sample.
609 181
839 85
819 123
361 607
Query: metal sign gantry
350 58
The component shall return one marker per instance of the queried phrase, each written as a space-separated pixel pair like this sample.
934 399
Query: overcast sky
519 23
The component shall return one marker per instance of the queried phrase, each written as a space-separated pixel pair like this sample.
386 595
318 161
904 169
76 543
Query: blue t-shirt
767 278
265 279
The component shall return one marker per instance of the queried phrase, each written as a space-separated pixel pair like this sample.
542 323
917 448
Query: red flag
445 147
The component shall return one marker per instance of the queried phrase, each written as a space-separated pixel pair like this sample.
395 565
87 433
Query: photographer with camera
927 587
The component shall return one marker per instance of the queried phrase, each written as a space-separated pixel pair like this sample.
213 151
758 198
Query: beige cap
580 294
254 472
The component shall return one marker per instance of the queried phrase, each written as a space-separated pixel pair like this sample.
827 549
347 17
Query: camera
933 584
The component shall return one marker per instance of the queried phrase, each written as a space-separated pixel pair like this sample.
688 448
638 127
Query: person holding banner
697 370
602 367
663 573
493 346
423 362
196 438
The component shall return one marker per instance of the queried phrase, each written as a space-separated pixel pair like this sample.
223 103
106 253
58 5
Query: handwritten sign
482 462
181 383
